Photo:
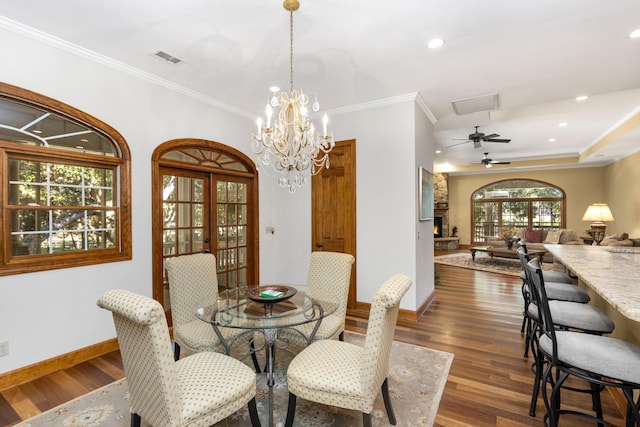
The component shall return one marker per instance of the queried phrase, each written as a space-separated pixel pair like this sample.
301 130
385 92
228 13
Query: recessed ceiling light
581 98
562 124
552 140
435 43
635 34
37 131
438 151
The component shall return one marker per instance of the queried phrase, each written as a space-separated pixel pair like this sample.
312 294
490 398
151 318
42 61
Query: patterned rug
416 382
484 262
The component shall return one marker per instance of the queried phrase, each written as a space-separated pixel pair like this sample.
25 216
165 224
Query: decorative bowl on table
270 294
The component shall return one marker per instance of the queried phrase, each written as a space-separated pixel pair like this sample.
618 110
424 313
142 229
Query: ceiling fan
478 137
487 162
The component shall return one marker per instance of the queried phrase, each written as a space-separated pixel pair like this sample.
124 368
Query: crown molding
90 55
413 96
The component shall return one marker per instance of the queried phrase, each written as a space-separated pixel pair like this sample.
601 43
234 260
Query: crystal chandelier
288 141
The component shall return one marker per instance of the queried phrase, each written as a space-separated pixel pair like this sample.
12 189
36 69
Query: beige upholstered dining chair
328 279
193 283
346 375
199 390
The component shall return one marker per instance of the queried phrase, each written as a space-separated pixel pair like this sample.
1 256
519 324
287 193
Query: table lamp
597 213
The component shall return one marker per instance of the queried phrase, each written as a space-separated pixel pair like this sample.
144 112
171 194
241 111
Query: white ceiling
537 55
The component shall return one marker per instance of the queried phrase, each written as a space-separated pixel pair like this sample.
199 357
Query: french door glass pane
547 214
514 215
232 239
183 222
485 220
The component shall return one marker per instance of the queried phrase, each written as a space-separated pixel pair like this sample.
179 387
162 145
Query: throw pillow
569 235
533 236
553 237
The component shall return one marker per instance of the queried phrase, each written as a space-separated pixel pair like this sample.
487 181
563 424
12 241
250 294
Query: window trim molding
123 251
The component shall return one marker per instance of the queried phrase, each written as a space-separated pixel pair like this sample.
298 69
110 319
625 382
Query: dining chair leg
387 402
291 410
176 351
253 413
366 420
537 379
135 420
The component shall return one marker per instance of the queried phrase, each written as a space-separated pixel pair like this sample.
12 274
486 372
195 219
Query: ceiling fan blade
497 140
487 137
459 143
496 162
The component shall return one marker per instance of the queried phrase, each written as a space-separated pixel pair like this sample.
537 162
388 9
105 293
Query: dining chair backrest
145 347
380 330
524 261
329 277
538 292
193 283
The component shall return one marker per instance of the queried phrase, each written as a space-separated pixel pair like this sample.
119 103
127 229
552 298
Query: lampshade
598 212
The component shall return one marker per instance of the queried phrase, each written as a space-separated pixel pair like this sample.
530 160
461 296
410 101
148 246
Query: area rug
416 381
484 262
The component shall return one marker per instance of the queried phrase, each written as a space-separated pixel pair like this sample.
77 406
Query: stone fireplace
441 233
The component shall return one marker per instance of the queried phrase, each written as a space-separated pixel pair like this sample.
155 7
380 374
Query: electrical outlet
4 348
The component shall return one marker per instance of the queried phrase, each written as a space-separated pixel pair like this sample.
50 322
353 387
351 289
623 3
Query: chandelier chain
291 51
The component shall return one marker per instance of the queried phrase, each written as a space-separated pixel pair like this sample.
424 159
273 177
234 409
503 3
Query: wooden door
333 207
186 209
205 212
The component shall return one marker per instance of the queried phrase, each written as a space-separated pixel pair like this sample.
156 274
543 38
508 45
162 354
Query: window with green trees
66 186
516 203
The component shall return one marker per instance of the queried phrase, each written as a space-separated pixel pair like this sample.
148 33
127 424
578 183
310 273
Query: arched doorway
205 199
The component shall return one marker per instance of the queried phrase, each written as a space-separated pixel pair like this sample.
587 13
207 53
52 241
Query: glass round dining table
265 309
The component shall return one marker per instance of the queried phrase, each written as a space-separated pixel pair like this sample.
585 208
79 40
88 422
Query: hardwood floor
476 316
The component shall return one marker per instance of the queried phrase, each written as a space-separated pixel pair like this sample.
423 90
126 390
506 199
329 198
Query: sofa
535 239
621 239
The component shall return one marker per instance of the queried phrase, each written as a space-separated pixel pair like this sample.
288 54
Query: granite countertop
613 274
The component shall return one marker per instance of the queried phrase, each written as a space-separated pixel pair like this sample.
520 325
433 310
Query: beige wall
582 187
622 192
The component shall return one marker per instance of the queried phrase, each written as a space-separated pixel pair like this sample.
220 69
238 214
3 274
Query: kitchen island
611 276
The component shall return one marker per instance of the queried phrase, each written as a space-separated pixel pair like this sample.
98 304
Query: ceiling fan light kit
488 163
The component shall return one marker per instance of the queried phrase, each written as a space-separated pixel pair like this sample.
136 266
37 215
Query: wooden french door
333 207
205 212
205 199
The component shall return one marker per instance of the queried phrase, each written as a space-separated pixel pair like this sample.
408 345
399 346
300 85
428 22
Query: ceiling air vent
475 104
167 57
